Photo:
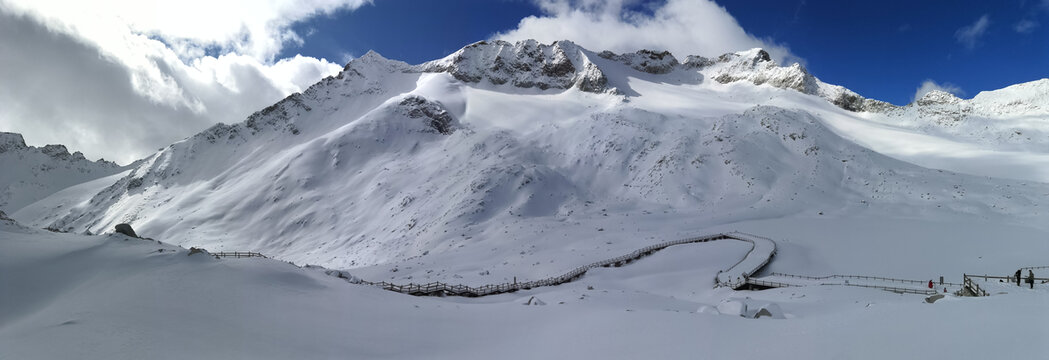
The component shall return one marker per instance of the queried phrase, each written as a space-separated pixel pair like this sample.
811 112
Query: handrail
858 277
439 288
238 254
972 287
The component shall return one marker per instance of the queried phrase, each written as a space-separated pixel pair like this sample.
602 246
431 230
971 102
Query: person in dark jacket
1018 277
1030 278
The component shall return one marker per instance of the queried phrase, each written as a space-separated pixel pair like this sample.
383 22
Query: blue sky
162 70
884 50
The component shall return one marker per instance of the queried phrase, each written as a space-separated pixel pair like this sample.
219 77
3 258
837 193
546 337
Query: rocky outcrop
648 61
525 64
11 141
435 117
125 229
756 66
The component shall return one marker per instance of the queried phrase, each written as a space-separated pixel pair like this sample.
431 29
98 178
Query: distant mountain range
387 161
32 173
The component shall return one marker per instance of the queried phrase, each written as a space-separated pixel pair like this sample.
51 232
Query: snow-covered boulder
751 309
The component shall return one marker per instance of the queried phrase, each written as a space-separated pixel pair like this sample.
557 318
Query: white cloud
970 35
258 28
684 27
1025 26
930 85
118 79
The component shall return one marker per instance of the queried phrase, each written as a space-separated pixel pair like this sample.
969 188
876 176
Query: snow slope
400 166
32 173
1000 133
113 297
506 162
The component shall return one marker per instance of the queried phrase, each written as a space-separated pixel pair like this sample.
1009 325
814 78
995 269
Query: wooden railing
896 289
237 254
861 277
768 284
971 288
440 288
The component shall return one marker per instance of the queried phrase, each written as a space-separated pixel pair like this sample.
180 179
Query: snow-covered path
761 252
759 255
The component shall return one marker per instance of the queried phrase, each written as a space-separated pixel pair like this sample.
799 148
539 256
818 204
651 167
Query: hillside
524 149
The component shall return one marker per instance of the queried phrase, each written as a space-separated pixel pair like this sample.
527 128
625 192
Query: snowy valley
511 162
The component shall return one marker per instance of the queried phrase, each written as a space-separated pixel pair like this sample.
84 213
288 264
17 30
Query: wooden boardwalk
759 255
738 276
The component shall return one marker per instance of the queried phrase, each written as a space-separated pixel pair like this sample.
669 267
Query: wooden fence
862 277
442 289
237 254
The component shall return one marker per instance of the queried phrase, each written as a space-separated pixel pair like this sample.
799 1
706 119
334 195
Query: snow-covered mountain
1015 117
514 147
32 173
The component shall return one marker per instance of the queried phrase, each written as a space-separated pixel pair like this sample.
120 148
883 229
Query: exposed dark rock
697 62
11 141
648 61
763 56
134 183
434 113
525 64
125 229
592 79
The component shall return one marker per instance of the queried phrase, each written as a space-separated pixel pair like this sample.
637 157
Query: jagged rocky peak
11 141
524 64
937 97
757 67
649 61
697 62
15 142
61 152
370 62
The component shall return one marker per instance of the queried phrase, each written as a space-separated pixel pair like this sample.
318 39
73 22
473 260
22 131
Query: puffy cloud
970 35
1025 26
258 28
684 27
929 85
118 79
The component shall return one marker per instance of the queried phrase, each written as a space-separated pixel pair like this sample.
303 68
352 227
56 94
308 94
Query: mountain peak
524 64
11 141
937 97
32 173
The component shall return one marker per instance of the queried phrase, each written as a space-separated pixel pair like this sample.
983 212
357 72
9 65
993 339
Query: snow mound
749 308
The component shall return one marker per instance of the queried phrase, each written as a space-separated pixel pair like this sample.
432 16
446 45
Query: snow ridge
32 173
525 64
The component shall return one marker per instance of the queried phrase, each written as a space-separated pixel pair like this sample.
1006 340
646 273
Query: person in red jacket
930 284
